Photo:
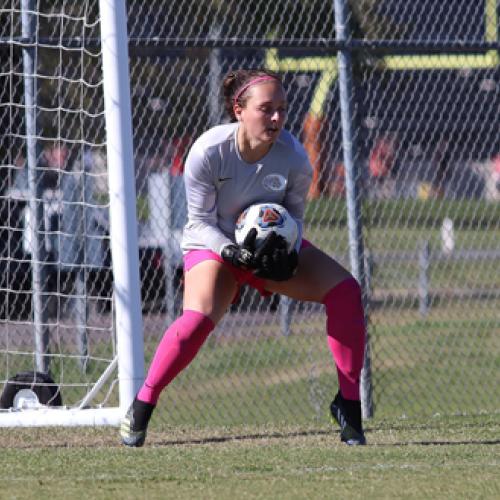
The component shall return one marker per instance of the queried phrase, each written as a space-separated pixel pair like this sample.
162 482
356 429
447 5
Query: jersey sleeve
299 182
201 195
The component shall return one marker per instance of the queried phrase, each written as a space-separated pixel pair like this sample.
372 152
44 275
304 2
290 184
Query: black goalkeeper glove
273 261
242 256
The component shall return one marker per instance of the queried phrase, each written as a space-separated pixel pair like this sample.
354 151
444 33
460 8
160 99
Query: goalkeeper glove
241 256
273 261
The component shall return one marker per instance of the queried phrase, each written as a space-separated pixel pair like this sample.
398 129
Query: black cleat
134 425
347 414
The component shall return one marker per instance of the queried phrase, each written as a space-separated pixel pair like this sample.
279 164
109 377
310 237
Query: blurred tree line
166 88
169 87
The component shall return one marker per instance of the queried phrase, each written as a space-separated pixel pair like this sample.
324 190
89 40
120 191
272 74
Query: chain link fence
427 150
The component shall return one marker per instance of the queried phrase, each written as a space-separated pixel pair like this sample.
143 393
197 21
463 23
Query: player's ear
237 111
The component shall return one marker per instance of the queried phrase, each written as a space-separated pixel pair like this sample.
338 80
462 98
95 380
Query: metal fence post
286 308
353 193
215 111
35 185
168 260
369 264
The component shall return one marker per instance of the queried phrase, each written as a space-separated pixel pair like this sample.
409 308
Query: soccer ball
267 217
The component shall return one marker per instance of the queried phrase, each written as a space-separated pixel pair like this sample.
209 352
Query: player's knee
347 293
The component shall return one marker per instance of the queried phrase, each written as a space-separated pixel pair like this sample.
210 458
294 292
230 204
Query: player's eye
270 110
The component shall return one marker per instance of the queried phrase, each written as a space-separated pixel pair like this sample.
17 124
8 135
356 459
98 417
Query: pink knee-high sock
177 348
345 327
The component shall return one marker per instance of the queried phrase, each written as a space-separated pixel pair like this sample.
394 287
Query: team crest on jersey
274 182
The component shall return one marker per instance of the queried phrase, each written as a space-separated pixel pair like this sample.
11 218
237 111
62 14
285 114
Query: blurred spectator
52 161
380 163
20 174
180 146
313 136
493 179
171 155
95 164
337 182
443 163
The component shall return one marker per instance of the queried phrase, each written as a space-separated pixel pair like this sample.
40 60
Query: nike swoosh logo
222 179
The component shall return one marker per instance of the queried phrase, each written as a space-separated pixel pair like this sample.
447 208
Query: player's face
265 112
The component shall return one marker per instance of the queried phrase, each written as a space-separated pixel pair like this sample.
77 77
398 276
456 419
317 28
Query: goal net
60 359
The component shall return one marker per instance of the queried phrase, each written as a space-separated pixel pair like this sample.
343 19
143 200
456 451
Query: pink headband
245 87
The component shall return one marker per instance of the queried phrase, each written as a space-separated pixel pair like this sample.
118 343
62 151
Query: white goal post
124 241
118 358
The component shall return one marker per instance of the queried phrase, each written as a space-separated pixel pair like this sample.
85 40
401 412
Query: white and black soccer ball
267 217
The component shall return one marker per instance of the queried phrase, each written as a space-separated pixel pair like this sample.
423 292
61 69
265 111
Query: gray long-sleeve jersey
220 185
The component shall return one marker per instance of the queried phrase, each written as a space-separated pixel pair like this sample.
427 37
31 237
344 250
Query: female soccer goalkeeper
231 166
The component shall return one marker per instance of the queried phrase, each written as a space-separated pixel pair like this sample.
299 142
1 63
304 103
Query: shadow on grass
276 435
260 436
245 437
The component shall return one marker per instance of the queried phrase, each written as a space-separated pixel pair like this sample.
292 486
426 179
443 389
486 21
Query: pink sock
345 326
177 348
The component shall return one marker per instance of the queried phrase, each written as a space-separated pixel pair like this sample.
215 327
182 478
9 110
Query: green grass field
438 457
249 417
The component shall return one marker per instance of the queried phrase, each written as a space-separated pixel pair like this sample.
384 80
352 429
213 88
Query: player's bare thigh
317 274
209 288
